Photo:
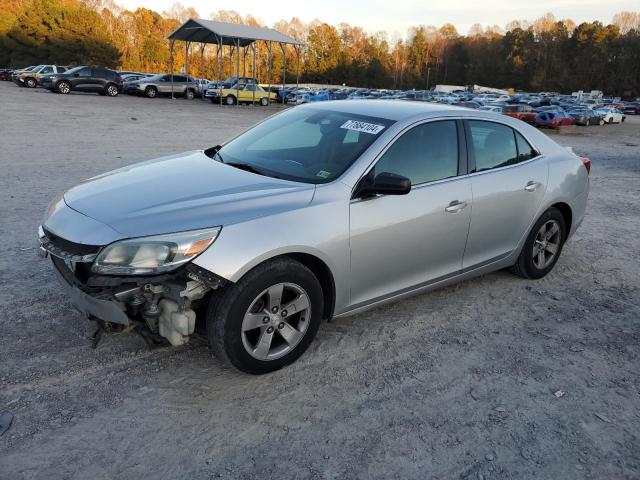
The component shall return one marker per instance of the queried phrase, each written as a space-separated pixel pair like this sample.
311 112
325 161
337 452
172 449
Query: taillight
587 163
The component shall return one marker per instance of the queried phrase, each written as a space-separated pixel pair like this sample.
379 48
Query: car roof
388 109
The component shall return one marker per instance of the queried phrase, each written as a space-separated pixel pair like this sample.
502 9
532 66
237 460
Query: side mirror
384 183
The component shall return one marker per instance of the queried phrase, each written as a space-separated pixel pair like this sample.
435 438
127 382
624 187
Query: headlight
156 254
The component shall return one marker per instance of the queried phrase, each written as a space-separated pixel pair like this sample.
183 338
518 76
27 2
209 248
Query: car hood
182 192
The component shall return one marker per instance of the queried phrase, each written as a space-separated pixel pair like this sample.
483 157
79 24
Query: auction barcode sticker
365 127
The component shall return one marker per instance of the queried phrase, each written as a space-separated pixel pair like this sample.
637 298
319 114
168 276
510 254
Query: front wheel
64 87
151 92
264 101
543 246
189 95
30 82
112 91
230 100
267 319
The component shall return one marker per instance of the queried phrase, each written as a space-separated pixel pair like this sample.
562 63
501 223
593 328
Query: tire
611 121
230 100
63 87
189 95
601 122
235 333
111 90
529 264
30 82
264 101
151 92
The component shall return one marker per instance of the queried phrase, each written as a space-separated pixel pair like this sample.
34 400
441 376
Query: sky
397 16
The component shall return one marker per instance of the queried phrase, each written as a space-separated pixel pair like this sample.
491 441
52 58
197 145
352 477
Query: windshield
304 144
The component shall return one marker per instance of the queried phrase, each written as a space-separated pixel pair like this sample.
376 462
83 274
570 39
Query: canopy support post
202 87
238 73
270 65
284 68
171 45
253 72
297 49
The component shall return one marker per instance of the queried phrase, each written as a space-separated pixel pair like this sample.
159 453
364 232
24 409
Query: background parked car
15 73
84 79
31 78
611 115
5 74
553 119
585 117
243 93
631 108
521 112
163 84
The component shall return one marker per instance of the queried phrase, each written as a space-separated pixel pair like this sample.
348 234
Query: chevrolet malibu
320 211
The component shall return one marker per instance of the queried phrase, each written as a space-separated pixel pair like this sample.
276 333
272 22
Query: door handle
531 186
455 206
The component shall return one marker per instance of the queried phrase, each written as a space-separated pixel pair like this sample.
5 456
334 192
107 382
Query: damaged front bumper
164 304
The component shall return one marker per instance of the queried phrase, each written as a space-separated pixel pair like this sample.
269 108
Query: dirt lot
459 383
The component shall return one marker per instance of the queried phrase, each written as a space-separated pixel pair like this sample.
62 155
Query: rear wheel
542 247
111 90
151 92
264 101
267 319
64 87
189 95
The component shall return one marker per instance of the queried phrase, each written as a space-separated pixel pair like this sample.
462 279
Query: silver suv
320 211
163 84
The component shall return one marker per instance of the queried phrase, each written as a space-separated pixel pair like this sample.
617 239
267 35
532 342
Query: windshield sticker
365 127
323 174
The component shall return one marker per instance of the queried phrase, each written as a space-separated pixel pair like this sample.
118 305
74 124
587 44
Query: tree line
543 55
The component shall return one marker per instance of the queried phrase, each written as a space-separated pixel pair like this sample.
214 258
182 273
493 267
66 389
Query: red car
553 119
521 112
5 74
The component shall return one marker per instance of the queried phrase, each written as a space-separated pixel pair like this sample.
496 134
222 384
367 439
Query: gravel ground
458 383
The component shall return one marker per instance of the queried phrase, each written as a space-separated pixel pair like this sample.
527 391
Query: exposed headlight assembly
155 254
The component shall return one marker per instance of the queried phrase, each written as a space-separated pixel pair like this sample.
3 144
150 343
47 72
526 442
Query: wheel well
565 210
324 276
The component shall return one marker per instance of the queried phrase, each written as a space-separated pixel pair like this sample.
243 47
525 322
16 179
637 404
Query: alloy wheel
276 321
112 90
546 244
64 87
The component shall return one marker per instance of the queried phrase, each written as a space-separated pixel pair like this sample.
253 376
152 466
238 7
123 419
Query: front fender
320 229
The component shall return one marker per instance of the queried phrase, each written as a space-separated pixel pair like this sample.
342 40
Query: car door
165 84
509 179
401 242
82 80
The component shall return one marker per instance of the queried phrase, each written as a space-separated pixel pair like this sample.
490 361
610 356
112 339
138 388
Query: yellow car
31 78
246 93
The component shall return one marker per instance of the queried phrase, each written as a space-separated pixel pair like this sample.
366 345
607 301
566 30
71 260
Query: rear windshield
305 144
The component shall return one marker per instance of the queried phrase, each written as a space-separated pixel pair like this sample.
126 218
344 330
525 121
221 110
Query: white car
611 115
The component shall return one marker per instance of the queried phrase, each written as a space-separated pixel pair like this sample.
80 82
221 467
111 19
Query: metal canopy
220 33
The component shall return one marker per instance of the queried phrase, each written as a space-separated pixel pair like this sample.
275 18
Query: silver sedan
320 211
